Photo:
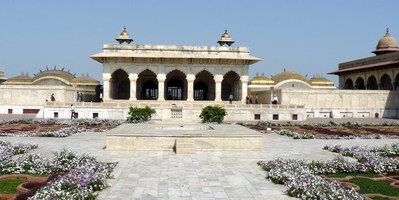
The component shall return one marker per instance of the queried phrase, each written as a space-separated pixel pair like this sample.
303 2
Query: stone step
184 146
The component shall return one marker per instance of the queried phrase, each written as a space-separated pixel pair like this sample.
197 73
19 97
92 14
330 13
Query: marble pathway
165 175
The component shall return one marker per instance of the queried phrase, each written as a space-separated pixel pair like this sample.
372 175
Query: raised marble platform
183 138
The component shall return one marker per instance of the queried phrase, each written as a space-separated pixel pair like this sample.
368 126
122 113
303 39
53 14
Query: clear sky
310 37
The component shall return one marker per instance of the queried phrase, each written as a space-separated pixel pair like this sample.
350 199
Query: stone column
106 88
161 86
133 79
244 88
218 87
190 87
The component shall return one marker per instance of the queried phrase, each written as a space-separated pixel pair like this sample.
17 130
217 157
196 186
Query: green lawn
9 186
342 175
369 186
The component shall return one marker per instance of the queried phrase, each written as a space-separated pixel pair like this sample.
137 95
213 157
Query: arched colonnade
385 82
175 84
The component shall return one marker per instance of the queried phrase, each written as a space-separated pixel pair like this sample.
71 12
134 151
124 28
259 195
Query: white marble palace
171 72
178 81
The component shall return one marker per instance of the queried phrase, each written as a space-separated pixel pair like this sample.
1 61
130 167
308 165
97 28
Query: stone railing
170 104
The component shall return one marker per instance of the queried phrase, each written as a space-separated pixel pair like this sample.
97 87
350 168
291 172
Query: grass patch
342 175
379 198
369 186
9 186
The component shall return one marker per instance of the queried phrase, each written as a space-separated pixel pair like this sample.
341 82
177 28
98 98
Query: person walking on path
72 111
275 99
231 98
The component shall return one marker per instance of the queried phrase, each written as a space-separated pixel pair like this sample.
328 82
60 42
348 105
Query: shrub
213 114
137 115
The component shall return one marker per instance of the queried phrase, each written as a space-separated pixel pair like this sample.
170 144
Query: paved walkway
165 175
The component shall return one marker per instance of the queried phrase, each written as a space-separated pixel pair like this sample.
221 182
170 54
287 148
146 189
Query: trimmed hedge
137 115
213 114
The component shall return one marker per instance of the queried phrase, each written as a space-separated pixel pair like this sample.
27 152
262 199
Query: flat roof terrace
173 52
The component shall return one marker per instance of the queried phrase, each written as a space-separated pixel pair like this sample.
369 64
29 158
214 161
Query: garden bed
80 176
305 179
54 128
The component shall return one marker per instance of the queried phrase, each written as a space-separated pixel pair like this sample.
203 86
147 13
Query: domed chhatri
386 44
225 39
124 37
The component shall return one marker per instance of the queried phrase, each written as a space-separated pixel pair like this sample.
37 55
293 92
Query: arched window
231 85
147 85
372 83
360 84
204 86
176 85
120 88
397 82
385 82
348 84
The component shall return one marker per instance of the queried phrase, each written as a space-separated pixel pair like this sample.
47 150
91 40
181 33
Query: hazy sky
310 37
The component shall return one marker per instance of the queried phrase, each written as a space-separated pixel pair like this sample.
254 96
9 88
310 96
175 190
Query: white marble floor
165 175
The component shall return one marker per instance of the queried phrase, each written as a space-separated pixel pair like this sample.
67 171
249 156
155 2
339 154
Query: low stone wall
34 95
341 99
171 111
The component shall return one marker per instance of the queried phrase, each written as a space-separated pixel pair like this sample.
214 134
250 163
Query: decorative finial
124 28
387 33
225 30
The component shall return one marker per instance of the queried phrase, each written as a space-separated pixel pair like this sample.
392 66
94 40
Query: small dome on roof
289 75
85 79
20 77
321 81
261 80
387 41
124 37
386 44
225 39
124 32
55 72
